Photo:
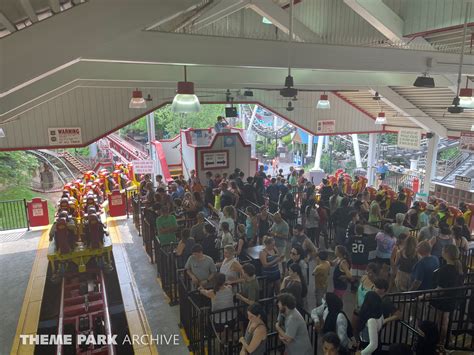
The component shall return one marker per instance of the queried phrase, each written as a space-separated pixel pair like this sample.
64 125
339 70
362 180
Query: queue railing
148 236
136 213
218 332
452 309
168 263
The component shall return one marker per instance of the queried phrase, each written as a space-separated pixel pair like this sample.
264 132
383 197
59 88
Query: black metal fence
13 215
218 332
451 309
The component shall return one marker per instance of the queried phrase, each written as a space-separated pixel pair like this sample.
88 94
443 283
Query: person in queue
185 247
221 297
389 311
166 226
280 232
426 215
331 344
270 259
370 323
291 327
321 276
254 340
300 238
342 271
444 238
197 230
375 212
397 206
404 262
209 242
199 267
334 320
249 287
430 231
230 266
295 284
297 257
422 275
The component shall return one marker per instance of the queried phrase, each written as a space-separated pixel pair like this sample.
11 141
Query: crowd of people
374 244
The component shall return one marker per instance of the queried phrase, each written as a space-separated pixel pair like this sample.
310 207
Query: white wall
172 149
239 157
187 156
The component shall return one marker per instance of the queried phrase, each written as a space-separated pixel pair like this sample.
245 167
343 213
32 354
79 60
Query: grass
12 215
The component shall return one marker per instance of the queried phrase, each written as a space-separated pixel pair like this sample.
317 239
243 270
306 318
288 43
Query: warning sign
326 126
409 138
142 166
466 142
462 182
65 136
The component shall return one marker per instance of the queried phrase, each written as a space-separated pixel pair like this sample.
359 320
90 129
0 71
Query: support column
355 143
310 145
150 127
319 152
431 157
316 173
371 156
251 134
93 150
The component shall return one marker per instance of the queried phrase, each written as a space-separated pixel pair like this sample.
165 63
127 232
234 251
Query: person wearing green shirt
166 227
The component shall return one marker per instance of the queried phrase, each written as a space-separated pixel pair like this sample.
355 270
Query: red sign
117 206
38 212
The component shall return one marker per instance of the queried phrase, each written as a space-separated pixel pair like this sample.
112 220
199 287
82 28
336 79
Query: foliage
16 167
84 152
449 153
170 123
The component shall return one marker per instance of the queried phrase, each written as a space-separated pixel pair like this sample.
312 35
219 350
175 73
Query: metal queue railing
451 309
218 332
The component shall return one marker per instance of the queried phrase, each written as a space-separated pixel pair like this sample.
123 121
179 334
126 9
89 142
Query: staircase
465 168
175 170
75 162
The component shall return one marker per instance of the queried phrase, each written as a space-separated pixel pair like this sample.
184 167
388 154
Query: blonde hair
268 240
452 253
230 249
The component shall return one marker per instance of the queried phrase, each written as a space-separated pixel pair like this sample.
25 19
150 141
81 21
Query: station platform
24 265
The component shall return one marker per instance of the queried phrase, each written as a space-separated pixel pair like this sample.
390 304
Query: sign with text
65 136
142 166
466 142
409 138
215 160
462 182
326 126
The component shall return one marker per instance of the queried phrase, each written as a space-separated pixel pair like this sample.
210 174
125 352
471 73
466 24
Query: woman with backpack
334 319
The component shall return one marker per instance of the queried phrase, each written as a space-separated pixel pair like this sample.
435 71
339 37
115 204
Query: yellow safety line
31 308
134 310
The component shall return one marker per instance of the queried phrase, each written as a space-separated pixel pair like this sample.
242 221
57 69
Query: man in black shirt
260 177
341 219
326 192
357 246
248 192
239 180
398 206
273 193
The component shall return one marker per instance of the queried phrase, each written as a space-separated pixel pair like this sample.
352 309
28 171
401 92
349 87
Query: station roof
67 63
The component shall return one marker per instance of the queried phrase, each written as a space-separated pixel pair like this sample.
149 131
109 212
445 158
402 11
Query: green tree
170 123
16 167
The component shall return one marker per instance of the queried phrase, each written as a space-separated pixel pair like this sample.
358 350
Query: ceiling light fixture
185 100
2 133
381 119
137 100
266 21
424 81
472 127
323 103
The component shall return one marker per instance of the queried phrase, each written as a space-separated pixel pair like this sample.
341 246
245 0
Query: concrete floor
162 318
17 254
